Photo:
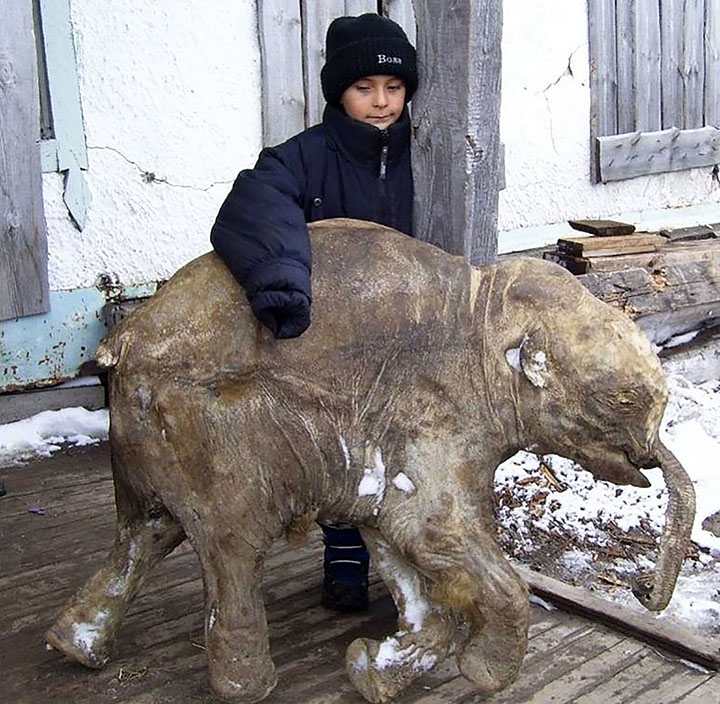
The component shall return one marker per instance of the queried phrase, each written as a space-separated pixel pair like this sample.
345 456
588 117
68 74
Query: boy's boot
346 562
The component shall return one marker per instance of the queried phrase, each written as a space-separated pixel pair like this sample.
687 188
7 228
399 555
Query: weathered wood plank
628 155
675 253
456 144
602 228
585 677
402 12
712 62
283 98
704 651
671 15
603 67
360 7
693 64
670 689
625 684
647 66
605 246
23 241
708 691
316 19
625 37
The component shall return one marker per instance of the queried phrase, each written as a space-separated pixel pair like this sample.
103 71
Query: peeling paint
48 349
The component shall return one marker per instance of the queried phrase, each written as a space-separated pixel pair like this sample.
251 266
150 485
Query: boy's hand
285 313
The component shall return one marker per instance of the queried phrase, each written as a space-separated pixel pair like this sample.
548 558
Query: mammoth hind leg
86 628
382 669
236 636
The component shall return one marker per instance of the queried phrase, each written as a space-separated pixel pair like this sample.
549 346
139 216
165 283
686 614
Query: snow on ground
47 432
558 518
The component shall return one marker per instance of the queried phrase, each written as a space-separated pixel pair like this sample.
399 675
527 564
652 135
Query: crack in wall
567 72
151 177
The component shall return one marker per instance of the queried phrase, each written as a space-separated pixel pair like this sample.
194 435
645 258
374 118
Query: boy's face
375 100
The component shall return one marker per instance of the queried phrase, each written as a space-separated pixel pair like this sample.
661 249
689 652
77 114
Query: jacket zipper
383 162
383 173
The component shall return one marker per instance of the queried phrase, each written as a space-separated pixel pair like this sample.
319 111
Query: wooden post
283 99
456 131
23 242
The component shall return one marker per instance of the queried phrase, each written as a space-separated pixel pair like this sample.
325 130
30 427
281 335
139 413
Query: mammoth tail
109 351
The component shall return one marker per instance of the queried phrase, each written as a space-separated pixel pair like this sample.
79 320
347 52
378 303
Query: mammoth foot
382 669
490 666
84 634
241 686
239 664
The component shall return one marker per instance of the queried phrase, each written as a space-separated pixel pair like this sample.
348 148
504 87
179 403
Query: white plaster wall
170 88
545 127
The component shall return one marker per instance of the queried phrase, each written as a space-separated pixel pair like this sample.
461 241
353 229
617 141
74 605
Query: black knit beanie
368 45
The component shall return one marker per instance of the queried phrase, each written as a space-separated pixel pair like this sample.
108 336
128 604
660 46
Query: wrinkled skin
419 375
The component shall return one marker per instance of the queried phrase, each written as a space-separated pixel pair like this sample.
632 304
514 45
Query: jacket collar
362 143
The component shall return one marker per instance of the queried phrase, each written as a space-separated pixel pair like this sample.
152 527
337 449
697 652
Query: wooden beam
23 241
641 153
676 291
456 145
641 625
611 245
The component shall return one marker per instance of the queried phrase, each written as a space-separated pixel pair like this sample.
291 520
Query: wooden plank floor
57 521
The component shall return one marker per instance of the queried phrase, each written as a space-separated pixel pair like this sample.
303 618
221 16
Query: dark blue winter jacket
339 168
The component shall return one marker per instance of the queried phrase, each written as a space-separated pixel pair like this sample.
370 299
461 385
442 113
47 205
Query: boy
354 164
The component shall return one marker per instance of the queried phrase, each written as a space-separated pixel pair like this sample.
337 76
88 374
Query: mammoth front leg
382 669
86 628
455 547
493 599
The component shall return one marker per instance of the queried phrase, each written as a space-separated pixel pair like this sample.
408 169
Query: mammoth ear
534 361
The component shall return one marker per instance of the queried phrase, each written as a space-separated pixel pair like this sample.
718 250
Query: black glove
285 313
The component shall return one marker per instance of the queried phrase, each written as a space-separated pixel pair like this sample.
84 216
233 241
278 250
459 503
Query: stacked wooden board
667 281
613 246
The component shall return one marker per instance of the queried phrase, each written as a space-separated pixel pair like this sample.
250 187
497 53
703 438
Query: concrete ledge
24 404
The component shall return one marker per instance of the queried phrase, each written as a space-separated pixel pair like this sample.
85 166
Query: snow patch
42 434
389 653
360 663
211 618
681 339
402 482
85 634
373 481
513 358
534 599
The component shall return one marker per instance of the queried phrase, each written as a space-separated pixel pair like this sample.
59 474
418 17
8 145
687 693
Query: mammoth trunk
655 590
